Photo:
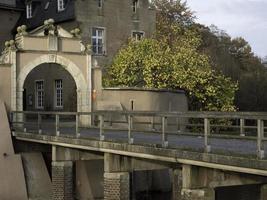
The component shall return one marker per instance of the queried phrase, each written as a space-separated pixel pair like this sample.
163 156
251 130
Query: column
187 185
116 186
177 181
116 177
62 180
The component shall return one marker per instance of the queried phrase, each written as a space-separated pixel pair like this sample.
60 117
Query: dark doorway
50 87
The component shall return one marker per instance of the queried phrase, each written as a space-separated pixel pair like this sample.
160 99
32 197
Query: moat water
249 192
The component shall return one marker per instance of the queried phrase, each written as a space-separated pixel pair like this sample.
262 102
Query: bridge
204 150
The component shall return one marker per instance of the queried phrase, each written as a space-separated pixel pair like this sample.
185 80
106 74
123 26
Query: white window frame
29 10
97 38
135 36
60 5
135 5
100 3
37 90
58 100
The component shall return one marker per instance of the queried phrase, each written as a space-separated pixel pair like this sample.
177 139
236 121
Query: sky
245 18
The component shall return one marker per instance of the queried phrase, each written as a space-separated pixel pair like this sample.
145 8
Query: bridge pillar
186 185
116 178
116 186
177 180
62 180
263 192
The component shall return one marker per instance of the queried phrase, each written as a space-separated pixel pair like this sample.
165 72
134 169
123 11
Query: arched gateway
45 45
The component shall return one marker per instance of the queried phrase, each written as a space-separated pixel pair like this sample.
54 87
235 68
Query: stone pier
116 178
116 186
62 180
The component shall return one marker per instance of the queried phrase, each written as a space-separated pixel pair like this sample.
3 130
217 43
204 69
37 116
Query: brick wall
62 180
116 186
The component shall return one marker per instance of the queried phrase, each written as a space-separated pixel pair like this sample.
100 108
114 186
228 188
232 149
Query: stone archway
82 89
46 44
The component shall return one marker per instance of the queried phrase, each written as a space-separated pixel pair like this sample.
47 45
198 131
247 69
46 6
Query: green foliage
153 64
235 59
172 60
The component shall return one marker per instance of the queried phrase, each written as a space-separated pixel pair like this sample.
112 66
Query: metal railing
164 123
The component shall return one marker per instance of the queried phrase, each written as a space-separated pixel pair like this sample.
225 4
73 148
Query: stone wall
145 99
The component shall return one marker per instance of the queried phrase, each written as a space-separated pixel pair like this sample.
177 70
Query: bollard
77 126
206 134
101 128
39 123
260 131
164 135
242 127
57 125
130 138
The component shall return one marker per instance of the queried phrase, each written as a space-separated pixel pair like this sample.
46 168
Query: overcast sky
246 18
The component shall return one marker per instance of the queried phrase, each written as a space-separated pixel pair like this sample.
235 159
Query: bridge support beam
62 180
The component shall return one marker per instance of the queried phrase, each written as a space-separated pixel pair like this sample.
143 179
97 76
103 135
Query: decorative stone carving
76 33
5 57
21 31
88 49
50 28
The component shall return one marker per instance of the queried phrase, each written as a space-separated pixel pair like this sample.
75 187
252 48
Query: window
100 3
39 97
135 5
29 10
60 5
138 35
47 5
98 41
58 93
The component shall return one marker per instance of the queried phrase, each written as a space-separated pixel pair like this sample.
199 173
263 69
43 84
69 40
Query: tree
153 64
172 60
235 59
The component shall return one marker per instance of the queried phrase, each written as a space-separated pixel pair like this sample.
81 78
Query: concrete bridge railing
227 125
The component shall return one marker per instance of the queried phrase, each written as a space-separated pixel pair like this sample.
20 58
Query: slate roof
46 9
11 5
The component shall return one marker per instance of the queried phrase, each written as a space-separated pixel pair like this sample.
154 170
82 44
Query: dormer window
138 35
29 10
135 5
60 5
100 3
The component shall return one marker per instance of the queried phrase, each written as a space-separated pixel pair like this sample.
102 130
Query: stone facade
116 18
